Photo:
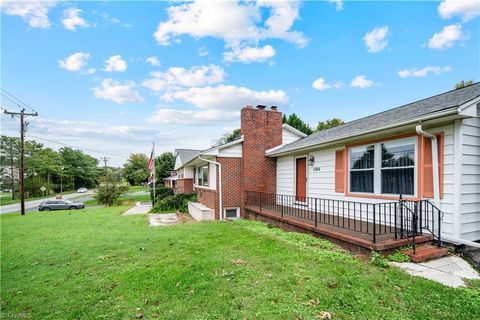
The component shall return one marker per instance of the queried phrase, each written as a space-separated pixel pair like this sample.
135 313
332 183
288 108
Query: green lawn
137 189
98 264
6 198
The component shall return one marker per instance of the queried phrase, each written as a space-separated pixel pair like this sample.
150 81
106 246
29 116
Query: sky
113 77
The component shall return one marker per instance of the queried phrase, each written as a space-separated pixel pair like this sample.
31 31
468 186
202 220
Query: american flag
151 166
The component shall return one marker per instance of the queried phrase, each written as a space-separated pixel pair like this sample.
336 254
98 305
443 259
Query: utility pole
105 159
22 115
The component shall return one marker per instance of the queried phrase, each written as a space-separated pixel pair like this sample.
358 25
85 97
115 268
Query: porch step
427 252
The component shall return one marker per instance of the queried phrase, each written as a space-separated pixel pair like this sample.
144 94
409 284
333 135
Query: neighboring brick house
242 164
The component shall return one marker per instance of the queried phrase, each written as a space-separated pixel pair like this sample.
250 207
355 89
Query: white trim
467 110
294 130
457 176
229 144
231 208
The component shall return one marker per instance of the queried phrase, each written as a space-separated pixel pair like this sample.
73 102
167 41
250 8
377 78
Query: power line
81 148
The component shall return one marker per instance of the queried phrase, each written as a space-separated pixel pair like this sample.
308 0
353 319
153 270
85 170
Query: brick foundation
184 185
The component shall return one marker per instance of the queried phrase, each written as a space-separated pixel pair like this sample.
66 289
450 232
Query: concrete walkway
138 209
450 271
162 219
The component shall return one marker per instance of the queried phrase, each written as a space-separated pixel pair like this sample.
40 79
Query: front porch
370 226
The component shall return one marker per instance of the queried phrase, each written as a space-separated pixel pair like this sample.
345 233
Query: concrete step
425 253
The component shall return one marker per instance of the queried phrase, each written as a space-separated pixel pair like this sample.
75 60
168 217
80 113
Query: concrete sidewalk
450 271
138 209
162 219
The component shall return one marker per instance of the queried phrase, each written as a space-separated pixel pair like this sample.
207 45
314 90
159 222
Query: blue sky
83 65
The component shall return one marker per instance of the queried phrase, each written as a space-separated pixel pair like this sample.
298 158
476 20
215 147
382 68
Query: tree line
68 169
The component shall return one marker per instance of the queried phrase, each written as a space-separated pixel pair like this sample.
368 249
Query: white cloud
321 85
91 71
447 37
375 40
249 54
466 9
180 77
75 62
420 73
113 20
117 92
242 27
202 52
192 117
115 64
71 19
34 12
153 61
226 97
361 82
338 4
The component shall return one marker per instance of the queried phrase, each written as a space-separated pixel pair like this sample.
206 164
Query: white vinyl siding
234 151
285 173
470 180
288 136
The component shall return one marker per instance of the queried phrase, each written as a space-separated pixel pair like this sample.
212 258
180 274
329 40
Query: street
33 204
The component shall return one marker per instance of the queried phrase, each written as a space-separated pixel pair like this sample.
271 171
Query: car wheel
72 208
46 209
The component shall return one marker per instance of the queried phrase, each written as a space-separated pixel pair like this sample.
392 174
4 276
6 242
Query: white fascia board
470 108
214 151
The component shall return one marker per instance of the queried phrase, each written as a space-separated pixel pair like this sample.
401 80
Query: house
346 182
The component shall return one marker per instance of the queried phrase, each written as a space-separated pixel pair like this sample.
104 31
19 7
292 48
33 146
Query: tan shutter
340 171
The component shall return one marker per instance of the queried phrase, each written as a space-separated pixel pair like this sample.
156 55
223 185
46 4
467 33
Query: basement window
232 213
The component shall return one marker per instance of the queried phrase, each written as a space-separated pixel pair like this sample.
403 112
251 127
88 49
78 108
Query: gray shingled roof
186 155
403 113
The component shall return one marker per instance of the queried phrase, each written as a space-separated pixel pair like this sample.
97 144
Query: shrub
174 202
161 193
109 190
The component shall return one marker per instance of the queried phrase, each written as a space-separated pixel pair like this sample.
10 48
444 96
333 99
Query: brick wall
184 185
262 130
208 198
232 188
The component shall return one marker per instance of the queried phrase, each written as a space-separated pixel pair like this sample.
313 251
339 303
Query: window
398 167
362 161
232 213
383 168
203 176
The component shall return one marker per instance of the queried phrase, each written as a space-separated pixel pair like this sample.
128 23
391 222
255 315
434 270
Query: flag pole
154 178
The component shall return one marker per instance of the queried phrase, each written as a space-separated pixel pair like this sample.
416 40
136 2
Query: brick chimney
262 130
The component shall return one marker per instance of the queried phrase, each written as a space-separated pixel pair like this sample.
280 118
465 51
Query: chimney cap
261 107
274 108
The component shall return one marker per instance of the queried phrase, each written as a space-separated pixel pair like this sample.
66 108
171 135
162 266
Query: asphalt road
33 204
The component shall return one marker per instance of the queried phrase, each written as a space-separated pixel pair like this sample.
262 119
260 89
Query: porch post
374 227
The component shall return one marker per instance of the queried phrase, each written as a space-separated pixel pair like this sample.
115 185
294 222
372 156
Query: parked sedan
82 190
60 205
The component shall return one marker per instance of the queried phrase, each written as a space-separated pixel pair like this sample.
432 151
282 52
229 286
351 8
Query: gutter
436 182
443 113
220 211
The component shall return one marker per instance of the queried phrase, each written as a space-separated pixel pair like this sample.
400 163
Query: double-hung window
203 176
383 168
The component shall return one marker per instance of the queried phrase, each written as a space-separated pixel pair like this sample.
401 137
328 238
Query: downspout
220 211
436 180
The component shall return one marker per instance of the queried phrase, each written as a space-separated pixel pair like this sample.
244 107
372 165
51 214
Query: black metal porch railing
386 220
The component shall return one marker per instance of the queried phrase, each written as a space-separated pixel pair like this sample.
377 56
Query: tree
80 169
164 164
297 123
228 137
9 151
329 123
463 84
135 170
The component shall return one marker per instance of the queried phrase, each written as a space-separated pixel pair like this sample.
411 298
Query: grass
137 189
123 200
6 198
102 265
